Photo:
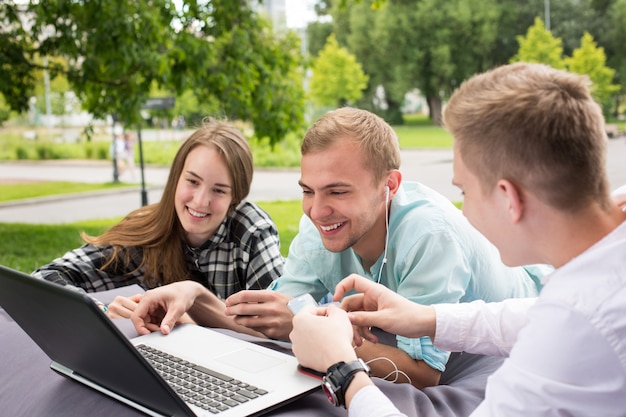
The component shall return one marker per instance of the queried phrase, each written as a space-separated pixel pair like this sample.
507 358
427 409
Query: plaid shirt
244 253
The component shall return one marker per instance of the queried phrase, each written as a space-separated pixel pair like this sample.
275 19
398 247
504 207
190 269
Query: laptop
240 378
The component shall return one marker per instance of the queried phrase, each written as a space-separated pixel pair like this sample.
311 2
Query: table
28 387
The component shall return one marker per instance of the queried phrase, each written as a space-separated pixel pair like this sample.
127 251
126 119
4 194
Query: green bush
21 152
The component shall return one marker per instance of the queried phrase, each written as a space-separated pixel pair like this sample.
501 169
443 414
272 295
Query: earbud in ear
386 192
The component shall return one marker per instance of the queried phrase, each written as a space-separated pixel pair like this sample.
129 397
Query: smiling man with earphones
361 217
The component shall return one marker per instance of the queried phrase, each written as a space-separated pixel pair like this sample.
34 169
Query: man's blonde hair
535 126
377 140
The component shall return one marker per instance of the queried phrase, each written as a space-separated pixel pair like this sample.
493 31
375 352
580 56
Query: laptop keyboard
195 384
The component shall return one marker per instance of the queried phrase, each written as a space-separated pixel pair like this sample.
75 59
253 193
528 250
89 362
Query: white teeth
196 213
332 227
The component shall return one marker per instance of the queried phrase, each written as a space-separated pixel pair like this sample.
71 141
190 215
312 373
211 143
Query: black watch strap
338 378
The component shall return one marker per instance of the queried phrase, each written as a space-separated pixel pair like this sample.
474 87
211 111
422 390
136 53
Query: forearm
493 326
208 311
395 365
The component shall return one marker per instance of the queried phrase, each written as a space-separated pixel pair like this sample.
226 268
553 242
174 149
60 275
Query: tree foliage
433 46
338 78
590 59
114 51
540 46
421 44
615 39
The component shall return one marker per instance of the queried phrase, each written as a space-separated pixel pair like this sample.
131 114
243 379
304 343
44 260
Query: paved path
431 167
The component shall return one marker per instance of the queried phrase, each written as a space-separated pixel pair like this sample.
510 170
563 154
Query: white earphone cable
384 261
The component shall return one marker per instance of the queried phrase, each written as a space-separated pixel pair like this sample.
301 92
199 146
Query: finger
151 327
358 338
136 298
363 319
352 302
122 308
115 312
172 316
140 319
250 296
352 282
365 333
142 327
322 311
331 310
264 306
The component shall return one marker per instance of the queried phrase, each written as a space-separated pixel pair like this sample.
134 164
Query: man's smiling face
341 198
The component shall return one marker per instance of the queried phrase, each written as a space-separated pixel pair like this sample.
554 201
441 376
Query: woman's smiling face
203 194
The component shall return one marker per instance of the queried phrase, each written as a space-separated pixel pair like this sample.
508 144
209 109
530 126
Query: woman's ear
513 198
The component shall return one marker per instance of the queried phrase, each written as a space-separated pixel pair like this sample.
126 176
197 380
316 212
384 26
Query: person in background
118 151
129 153
361 217
203 230
530 158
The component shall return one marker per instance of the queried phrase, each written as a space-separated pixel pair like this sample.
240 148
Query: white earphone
384 261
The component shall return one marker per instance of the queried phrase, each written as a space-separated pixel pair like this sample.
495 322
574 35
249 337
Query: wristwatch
338 377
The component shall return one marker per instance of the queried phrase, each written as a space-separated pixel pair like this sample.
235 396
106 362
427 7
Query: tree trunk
435 106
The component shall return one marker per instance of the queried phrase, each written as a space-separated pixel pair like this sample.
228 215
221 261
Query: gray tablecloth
29 388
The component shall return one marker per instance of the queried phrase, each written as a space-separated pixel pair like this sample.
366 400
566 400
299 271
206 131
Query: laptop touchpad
249 360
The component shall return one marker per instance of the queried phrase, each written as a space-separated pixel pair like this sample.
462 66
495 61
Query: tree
433 46
316 34
338 78
423 44
115 50
590 59
5 112
540 46
615 41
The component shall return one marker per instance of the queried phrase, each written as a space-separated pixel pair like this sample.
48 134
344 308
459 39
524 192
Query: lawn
411 137
16 191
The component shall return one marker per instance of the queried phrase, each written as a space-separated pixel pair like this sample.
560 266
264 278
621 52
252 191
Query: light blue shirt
434 256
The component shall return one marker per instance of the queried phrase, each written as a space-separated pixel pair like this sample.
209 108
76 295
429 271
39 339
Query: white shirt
567 350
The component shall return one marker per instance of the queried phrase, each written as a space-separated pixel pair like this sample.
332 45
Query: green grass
10 192
27 246
411 137
286 215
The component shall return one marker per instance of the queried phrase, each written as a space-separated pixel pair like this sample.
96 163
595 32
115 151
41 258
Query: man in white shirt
529 156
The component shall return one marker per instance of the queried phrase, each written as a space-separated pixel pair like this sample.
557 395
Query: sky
299 12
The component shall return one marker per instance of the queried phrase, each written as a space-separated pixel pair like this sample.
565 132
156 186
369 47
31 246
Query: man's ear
513 199
394 179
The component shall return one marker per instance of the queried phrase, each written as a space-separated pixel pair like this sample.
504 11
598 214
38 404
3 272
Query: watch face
330 394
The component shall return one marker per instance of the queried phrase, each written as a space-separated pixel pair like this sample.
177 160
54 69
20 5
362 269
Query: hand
264 311
379 306
322 337
161 308
122 307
